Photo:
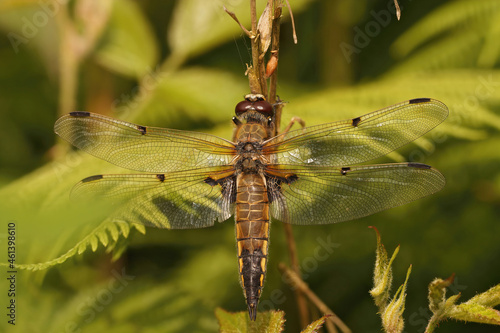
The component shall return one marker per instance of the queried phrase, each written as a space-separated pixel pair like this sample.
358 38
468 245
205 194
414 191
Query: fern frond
98 236
447 17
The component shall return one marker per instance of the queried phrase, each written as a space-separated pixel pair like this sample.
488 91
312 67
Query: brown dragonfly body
252 210
308 176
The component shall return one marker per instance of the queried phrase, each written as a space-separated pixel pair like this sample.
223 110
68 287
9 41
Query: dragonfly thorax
249 157
249 165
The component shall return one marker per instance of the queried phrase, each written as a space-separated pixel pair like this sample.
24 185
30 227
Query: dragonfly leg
293 121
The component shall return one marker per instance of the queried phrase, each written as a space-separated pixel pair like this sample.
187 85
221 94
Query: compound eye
263 107
242 107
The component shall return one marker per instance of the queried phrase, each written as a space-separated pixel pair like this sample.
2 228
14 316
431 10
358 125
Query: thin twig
257 71
253 15
398 10
275 47
297 282
273 81
293 22
233 15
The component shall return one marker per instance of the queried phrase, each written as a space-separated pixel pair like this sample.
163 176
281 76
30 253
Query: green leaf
129 47
437 293
198 25
382 276
103 238
125 228
315 325
90 241
476 313
392 316
491 297
478 309
270 322
446 18
117 302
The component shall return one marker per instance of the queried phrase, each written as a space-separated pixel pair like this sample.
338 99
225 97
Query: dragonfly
307 176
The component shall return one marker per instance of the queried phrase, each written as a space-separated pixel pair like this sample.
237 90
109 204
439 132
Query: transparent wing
182 200
360 139
136 147
317 195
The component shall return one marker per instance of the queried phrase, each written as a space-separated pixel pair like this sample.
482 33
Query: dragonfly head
254 108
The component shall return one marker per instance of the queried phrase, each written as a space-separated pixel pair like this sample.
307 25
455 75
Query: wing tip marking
345 170
419 100
418 165
79 114
91 178
356 121
160 177
142 129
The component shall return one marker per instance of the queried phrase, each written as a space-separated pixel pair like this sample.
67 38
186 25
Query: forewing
359 139
174 200
141 148
317 195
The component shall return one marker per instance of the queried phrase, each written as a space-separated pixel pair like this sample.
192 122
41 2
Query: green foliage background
180 64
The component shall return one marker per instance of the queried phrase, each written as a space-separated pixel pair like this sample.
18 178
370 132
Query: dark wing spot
356 121
419 100
142 129
211 181
291 178
344 171
91 178
161 177
418 165
79 114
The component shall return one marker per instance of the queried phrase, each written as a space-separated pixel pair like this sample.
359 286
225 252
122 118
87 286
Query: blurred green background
180 64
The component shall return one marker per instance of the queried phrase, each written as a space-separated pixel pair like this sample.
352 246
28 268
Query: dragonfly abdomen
252 234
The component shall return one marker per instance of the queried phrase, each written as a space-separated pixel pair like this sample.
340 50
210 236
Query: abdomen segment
252 234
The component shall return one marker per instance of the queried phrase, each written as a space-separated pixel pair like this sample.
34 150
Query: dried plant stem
68 72
74 45
260 86
398 10
273 81
293 22
297 282
233 15
275 47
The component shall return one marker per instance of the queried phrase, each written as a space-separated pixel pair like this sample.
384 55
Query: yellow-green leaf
270 322
392 316
315 325
475 313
